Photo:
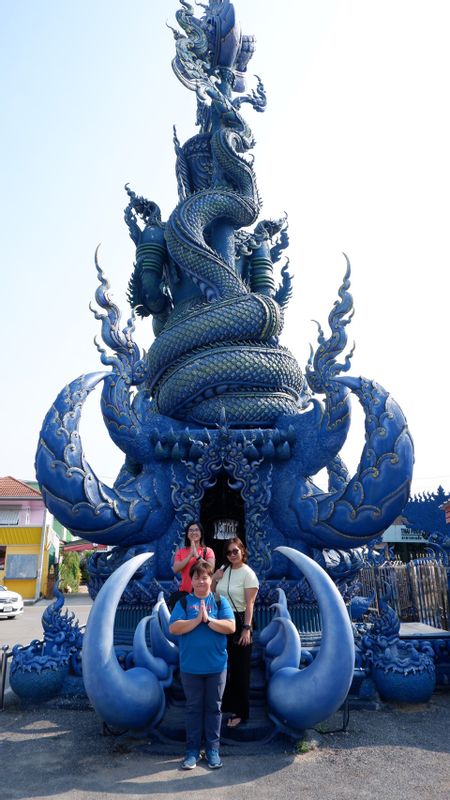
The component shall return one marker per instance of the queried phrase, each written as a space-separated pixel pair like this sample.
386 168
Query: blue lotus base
37 687
396 687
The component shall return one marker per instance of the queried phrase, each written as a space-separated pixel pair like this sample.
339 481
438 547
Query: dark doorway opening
222 515
406 551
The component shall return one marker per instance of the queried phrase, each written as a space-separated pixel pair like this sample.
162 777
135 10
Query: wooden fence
419 589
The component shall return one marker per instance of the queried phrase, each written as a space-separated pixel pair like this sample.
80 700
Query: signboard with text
401 533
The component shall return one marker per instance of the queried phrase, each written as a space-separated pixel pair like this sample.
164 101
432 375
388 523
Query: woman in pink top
194 550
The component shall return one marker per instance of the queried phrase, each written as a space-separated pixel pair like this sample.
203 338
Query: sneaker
213 759
190 760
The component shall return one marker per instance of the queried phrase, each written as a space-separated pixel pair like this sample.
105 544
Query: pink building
28 539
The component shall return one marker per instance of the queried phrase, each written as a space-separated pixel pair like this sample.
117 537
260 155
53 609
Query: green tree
84 565
70 572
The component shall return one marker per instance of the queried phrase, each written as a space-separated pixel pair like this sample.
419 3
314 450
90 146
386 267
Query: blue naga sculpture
52 666
401 672
217 397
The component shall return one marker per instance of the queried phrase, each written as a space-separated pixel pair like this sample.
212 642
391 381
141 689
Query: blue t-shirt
202 651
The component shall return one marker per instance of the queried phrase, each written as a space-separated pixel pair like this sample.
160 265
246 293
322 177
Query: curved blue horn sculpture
300 699
133 699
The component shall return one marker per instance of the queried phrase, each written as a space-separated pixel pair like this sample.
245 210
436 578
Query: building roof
82 544
12 488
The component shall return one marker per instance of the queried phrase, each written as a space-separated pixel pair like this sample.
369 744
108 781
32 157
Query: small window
9 516
2 557
21 566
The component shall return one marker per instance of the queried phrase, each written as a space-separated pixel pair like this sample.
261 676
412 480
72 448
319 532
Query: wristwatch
198 558
246 627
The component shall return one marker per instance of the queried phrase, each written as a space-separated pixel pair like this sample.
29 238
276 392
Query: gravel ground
391 753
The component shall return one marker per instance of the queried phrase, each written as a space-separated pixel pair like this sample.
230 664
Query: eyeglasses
233 552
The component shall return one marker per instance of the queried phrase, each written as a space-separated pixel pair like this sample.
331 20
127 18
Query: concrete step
258 727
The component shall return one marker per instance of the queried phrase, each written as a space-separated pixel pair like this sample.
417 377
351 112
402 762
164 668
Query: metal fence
306 619
418 590
6 653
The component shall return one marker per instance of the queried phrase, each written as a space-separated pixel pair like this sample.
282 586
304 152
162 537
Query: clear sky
354 145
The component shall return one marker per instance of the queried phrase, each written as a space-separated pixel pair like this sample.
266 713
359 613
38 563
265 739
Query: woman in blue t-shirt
202 623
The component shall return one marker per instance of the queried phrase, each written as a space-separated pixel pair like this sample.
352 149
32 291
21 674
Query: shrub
70 572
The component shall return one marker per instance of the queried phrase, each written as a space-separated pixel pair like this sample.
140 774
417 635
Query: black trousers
237 689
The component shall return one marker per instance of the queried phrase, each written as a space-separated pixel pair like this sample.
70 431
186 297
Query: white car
11 603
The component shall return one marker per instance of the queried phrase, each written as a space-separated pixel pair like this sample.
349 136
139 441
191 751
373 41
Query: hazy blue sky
354 146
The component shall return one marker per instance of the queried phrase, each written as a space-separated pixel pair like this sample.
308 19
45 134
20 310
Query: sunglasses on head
233 552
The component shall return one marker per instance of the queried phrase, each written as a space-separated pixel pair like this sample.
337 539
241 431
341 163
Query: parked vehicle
11 603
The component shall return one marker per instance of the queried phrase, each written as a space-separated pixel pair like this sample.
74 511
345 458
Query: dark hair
241 545
202 532
199 567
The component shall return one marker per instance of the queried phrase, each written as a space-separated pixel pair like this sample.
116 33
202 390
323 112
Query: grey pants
203 709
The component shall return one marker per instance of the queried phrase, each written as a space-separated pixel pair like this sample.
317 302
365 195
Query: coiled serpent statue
216 392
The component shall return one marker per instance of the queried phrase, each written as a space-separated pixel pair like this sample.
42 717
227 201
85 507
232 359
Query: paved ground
27 626
389 754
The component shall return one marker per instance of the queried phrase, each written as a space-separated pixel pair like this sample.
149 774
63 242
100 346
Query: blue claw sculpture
132 699
301 698
143 657
281 610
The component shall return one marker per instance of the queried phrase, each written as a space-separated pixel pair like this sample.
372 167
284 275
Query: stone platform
419 630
